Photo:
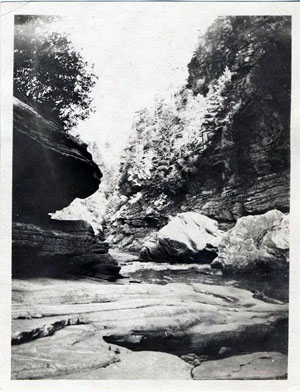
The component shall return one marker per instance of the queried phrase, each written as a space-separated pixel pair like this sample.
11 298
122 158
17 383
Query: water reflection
266 288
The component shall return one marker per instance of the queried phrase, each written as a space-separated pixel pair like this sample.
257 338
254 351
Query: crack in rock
45 330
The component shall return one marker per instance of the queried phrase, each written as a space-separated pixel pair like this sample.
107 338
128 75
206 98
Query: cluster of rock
130 224
257 243
50 169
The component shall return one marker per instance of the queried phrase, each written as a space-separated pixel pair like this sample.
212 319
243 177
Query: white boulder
188 237
256 242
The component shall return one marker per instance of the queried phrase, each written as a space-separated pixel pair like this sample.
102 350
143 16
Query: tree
49 73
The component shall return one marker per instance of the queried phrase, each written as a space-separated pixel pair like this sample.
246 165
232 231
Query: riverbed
182 319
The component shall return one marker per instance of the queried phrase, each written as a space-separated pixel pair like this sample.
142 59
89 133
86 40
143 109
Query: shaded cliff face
221 145
251 149
50 168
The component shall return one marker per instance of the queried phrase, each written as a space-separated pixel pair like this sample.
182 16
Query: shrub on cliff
49 73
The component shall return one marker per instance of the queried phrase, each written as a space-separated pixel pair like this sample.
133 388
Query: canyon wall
221 145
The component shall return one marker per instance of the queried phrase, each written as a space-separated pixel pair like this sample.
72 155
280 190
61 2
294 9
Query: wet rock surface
259 242
189 237
53 318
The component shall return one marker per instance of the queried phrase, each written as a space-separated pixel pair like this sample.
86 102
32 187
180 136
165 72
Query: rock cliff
221 145
50 169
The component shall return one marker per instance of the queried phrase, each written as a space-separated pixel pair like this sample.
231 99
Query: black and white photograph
150 232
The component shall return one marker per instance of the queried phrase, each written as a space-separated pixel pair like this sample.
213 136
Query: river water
270 289
274 289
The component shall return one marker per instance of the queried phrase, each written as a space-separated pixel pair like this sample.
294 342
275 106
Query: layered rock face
221 147
250 151
255 243
59 248
50 169
189 237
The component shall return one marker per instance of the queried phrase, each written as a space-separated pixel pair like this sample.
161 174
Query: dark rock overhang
50 167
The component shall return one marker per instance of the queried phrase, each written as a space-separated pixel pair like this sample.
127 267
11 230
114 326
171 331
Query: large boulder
255 243
188 237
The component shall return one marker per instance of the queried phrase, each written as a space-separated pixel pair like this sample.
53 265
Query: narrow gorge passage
159 247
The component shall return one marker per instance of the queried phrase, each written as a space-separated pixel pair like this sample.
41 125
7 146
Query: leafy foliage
166 143
50 73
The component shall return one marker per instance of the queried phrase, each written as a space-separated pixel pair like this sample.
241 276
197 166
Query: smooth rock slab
255 366
61 354
143 365
175 318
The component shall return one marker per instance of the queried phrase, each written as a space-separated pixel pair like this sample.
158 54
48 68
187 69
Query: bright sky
138 54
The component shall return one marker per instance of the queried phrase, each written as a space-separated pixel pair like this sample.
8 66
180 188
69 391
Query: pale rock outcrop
258 242
142 365
188 237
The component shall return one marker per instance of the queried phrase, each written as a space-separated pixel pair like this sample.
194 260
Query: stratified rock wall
251 148
222 148
50 169
60 248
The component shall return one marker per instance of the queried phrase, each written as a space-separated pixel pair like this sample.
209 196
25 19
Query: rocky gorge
220 146
189 278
